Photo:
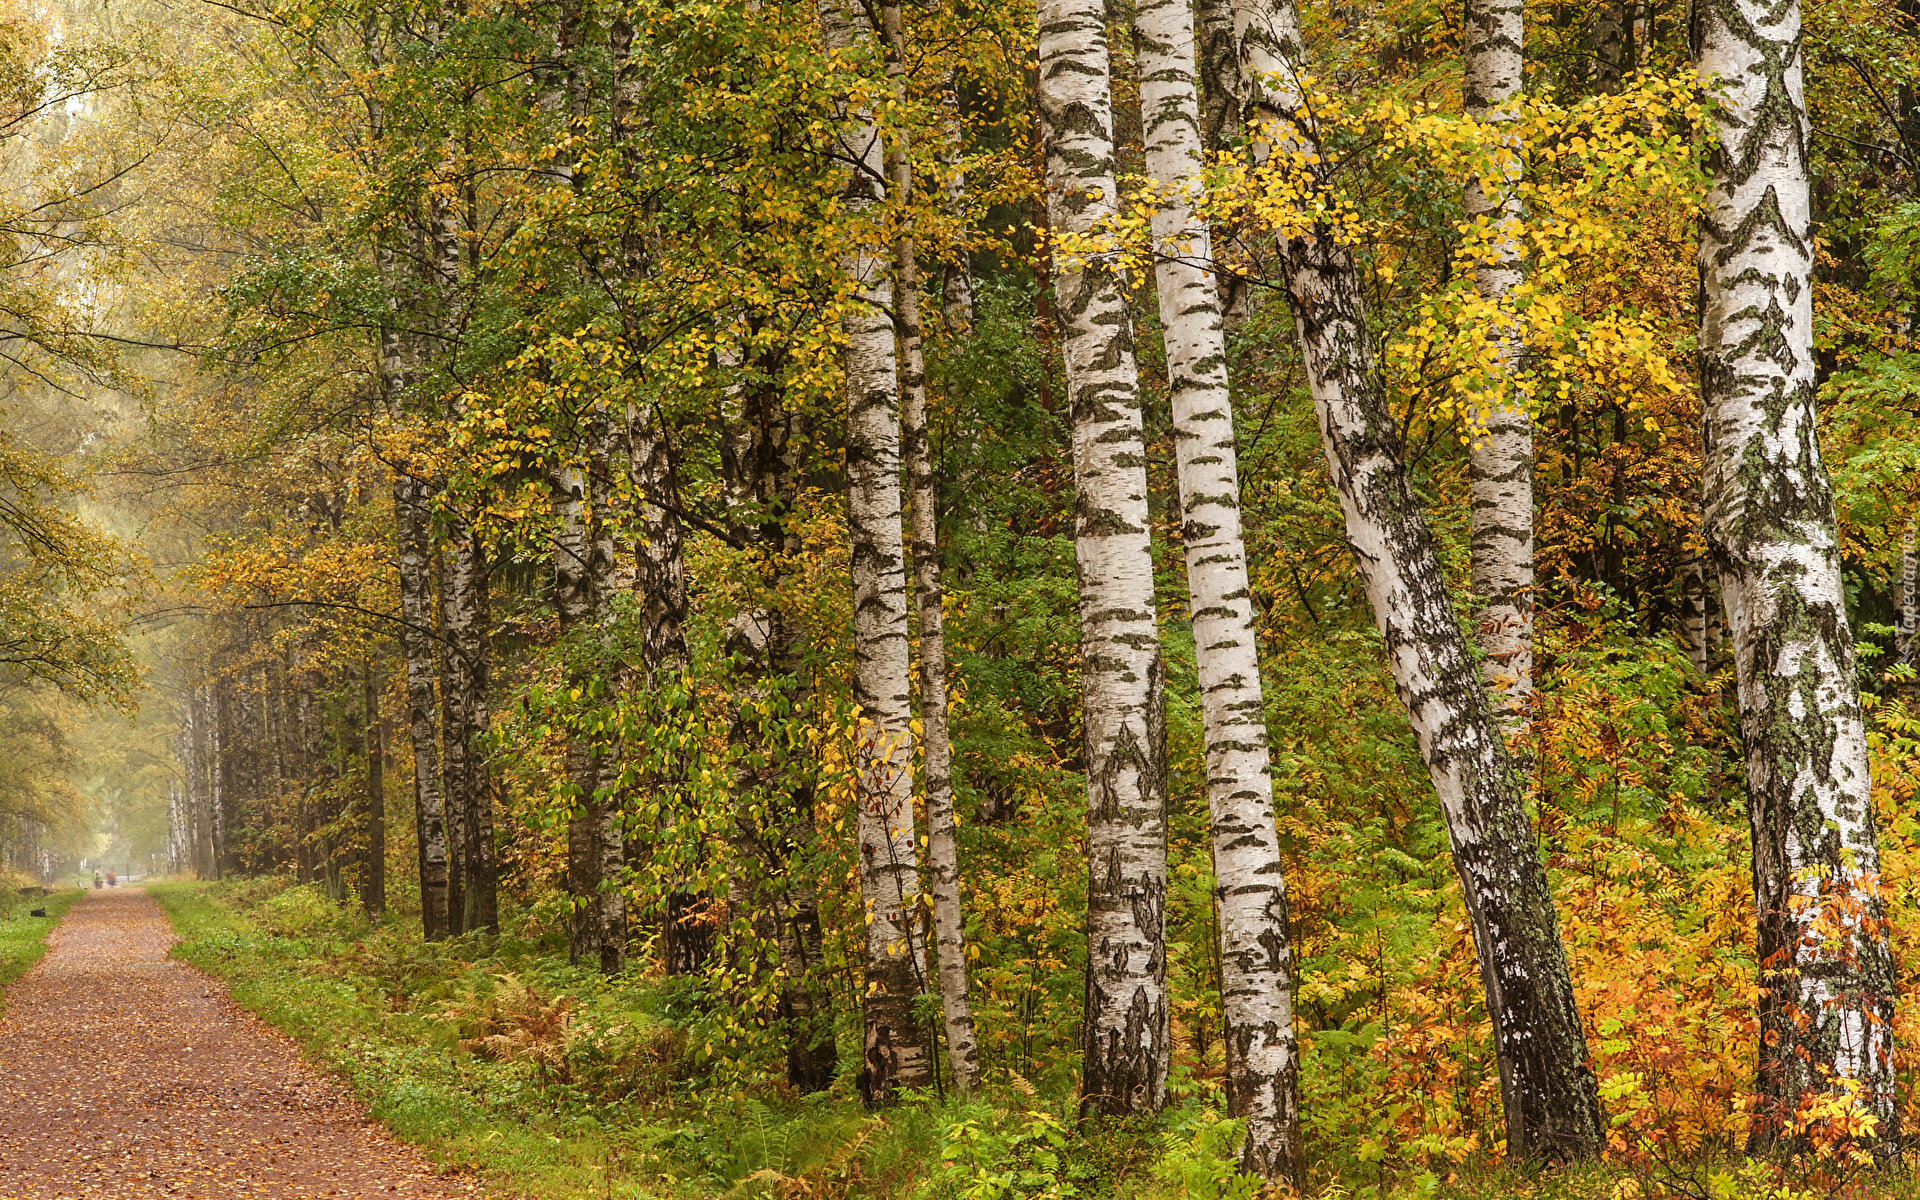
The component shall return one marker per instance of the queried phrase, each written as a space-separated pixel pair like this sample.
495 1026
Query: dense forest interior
984 599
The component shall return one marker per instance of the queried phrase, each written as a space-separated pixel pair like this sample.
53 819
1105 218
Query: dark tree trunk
373 895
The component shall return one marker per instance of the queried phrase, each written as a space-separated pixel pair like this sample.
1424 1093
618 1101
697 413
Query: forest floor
127 1074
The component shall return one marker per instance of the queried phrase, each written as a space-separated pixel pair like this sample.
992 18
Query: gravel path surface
126 1074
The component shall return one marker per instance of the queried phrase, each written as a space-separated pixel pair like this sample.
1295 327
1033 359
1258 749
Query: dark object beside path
126 1074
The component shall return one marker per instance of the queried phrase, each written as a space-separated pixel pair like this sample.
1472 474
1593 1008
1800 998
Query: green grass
23 939
384 1012
461 1112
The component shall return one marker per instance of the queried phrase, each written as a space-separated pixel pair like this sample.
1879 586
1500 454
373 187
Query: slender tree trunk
206 861
373 897
1547 1087
943 851
1827 1000
464 612
1127 1031
1906 638
942 835
417 645
1256 985
1500 458
889 854
220 779
451 686
1693 613
761 479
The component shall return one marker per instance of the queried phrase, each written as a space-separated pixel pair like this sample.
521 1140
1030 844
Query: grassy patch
498 1059
23 938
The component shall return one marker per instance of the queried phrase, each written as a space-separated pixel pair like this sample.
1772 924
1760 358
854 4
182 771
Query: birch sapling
1256 956
1827 998
1547 1087
895 1049
1127 1032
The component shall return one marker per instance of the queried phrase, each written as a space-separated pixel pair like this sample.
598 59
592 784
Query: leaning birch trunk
1827 1005
943 851
1500 457
1127 1029
1256 958
895 1044
1547 1087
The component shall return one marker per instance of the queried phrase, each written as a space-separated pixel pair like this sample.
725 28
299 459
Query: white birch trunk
1500 459
943 848
895 1044
1906 640
1256 957
1127 1030
1693 613
1547 1087
1770 527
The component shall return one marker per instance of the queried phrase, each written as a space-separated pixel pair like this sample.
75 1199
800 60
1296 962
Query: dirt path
126 1074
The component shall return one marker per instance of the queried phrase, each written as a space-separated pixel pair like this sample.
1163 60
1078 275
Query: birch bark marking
1693 613
1770 528
1501 462
1906 638
465 610
411 500
895 1044
574 604
1127 1030
943 851
1547 1088
1256 958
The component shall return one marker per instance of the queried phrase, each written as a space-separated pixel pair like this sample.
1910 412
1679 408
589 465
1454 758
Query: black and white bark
943 847
467 655
761 481
1547 1087
1256 955
1827 998
1500 456
1127 1033
888 850
1693 612
1906 636
412 521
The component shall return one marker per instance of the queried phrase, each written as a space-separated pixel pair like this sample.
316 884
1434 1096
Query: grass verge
498 1059
463 1118
23 938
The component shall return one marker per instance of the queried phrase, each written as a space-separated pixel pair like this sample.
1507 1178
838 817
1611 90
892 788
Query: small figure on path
111 882
96 881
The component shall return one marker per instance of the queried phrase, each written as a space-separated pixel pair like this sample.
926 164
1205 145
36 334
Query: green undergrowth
498 1059
23 938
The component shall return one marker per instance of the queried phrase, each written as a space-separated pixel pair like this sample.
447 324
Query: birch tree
895 1054
943 851
1547 1088
1500 457
1127 1031
1906 638
1826 1014
1256 956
